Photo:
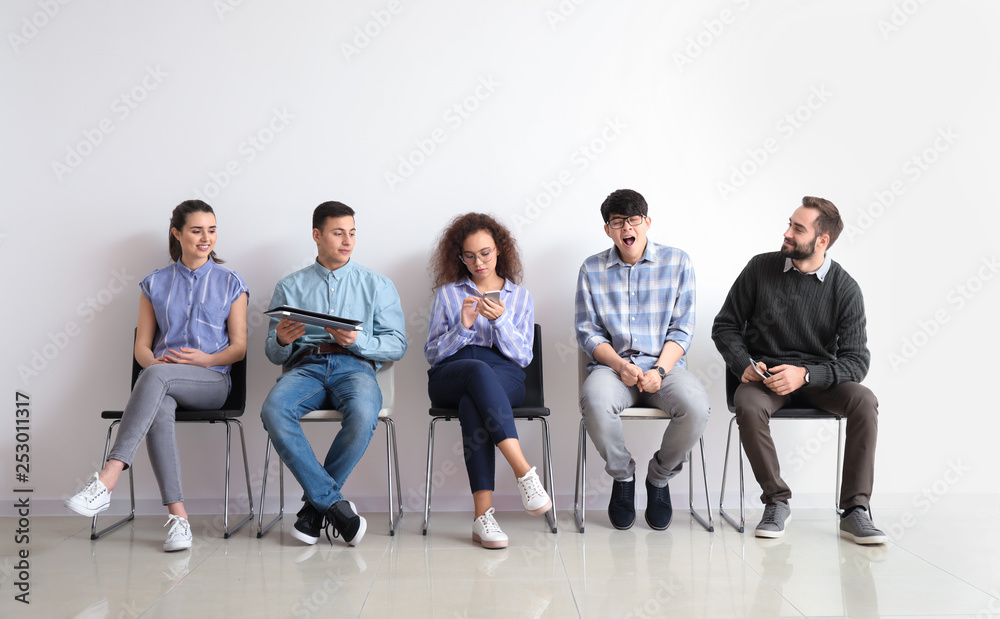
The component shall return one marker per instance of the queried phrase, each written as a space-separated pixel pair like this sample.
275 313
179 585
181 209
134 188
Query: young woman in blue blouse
477 348
192 327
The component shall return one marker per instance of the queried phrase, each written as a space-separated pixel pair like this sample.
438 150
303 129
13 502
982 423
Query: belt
333 348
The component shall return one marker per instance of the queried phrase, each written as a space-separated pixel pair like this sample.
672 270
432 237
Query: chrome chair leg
94 533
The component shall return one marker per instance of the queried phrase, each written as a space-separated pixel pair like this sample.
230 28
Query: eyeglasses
619 222
470 258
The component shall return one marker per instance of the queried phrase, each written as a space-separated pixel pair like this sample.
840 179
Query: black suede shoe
309 524
621 509
659 511
346 522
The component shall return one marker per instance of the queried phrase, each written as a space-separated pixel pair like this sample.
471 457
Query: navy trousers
483 385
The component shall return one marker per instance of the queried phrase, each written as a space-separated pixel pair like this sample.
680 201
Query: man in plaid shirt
635 307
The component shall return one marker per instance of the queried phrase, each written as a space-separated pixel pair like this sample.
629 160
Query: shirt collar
338 274
648 255
468 283
201 271
820 273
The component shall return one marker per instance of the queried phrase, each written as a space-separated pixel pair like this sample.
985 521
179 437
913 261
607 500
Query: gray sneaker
773 523
858 528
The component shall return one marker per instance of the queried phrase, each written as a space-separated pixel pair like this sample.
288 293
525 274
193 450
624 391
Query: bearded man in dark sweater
793 329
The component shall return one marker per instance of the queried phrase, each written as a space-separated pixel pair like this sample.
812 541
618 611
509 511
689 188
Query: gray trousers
604 396
150 414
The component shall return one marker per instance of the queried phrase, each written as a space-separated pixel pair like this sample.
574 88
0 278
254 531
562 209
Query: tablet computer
317 319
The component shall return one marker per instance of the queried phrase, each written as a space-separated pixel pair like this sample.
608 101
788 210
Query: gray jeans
150 414
604 396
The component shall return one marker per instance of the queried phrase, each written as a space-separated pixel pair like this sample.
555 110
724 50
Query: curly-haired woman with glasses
479 340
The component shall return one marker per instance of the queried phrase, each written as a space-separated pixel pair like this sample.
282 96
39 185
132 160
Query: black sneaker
659 511
346 522
621 509
309 524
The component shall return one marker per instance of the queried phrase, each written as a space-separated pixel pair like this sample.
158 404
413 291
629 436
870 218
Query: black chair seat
789 412
231 409
188 415
533 410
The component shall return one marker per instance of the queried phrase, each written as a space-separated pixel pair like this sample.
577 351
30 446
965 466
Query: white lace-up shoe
533 495
92 500
179 534
487 532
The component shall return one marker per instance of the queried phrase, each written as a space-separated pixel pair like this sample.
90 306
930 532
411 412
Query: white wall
666 98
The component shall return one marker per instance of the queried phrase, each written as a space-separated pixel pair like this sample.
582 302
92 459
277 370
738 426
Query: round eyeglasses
471 258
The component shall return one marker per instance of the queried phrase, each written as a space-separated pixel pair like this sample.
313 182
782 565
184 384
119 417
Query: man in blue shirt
330 368
635 319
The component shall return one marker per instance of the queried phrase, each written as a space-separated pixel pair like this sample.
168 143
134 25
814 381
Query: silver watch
662 372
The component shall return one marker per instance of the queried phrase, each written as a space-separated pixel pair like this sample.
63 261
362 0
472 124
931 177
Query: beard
799 252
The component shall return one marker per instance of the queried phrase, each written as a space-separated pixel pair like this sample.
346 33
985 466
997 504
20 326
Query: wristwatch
663 373
807 377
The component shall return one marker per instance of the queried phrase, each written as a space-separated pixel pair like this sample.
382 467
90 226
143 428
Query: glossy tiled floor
931 569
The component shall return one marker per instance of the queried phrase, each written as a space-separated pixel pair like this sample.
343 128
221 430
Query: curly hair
446 265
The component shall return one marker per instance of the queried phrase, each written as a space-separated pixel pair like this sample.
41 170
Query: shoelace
92 490
327 523
657 494
625 488
175 521
490 525
532 486
770 514
862 524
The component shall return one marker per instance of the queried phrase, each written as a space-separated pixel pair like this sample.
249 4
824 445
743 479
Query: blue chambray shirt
513 332
192 307
352 291
636 308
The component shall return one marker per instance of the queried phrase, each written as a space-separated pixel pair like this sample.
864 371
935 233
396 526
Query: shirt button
331 289
633 319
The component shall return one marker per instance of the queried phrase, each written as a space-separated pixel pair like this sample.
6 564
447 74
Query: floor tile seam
776 592
378 568
569 581
941 569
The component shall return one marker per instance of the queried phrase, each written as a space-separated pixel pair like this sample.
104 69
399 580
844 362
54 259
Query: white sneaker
179 534
533 495
92 500
487 532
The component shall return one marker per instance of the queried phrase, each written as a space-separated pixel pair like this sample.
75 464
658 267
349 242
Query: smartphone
764 374
492 295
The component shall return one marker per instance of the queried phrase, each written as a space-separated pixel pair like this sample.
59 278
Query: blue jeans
339 382
483 385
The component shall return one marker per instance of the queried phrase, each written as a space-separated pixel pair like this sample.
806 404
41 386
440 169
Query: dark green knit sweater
795 319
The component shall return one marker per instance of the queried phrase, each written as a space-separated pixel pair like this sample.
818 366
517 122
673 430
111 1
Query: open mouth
203 247
629 241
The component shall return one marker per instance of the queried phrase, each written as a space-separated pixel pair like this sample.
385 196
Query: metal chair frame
788 412
234 407
533 409
634 413
386 381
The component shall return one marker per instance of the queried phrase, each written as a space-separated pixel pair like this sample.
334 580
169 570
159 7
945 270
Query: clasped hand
185 356
648 381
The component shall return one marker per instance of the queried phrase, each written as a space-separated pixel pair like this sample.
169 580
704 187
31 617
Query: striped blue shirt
636 308
352 291
513 332
192 307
